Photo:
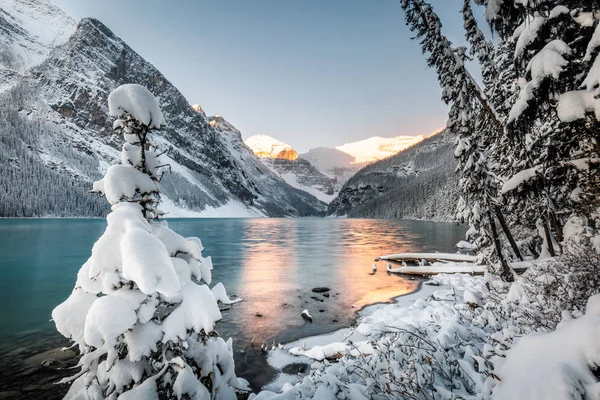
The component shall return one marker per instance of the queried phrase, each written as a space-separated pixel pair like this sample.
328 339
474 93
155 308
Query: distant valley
323 171
55 76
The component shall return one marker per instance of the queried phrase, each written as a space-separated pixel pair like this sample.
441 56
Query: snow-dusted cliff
284 161
55 128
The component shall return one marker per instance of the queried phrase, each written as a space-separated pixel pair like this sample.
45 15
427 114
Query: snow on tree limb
135 303
137 101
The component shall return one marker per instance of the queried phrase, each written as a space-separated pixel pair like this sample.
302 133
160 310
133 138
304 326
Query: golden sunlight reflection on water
283 259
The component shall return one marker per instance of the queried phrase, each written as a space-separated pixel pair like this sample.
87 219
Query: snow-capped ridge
31 29
377 147
268 147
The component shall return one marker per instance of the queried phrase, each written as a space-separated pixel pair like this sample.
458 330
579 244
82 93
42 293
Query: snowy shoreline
328 343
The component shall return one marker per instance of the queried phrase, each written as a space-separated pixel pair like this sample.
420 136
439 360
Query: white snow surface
232 209
147 263
43 27
124 182
527 33
592 79
70 315
221 295
555 365
292 180
548 62
108 318
440 268
464 245
137 101
575 104
198 311
519 178
269 147
438 256
429 307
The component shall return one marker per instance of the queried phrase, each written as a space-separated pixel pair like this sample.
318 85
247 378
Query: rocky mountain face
283 160
417 183
56 134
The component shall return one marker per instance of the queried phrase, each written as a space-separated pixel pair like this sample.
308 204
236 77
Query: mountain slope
267 147
417 183
56 127
284 161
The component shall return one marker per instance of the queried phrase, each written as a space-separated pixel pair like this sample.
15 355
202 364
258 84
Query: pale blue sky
308 72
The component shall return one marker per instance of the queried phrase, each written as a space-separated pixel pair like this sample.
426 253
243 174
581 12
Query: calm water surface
271 263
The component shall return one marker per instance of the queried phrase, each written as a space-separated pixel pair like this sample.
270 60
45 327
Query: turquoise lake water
271 263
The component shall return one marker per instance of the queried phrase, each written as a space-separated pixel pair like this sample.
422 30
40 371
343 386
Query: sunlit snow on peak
267 147
377 148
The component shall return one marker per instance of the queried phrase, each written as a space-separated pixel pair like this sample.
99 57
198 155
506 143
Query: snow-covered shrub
141 312
561 364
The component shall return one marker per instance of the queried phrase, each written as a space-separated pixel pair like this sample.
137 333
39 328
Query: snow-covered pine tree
141 311
554 59
495 93
471 118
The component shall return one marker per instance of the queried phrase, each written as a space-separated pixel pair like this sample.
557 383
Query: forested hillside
417 183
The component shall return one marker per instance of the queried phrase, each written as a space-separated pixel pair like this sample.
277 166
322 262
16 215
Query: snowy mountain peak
30 30
377 148
198 109
267 147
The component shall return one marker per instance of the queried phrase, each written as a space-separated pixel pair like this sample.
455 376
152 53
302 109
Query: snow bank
137 101
464 245
555 365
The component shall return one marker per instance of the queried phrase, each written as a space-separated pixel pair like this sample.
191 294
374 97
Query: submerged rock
295 369
320 289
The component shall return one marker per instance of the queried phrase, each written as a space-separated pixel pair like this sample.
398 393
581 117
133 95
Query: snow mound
555 365
137 101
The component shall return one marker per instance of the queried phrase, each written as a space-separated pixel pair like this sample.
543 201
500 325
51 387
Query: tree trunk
548 238
558 233
506 273
507 232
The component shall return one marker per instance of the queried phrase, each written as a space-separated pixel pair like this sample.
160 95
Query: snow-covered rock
333 163
284 161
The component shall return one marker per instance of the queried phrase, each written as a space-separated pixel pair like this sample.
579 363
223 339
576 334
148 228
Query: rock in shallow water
296 368
320 289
